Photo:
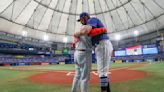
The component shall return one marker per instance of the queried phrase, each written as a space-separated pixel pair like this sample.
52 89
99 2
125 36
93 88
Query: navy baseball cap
82 15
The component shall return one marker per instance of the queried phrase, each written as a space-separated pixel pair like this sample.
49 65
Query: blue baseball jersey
96 23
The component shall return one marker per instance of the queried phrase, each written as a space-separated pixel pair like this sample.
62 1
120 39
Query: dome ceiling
57 18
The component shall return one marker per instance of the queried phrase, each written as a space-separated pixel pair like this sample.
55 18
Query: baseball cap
83 14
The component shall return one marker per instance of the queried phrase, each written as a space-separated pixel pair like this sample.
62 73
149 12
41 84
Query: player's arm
92 32
96 31
83 31
74 43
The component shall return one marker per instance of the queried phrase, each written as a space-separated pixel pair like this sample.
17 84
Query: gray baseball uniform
82 59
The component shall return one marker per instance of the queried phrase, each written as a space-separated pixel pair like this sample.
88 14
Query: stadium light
65 39
118 37
24 33
45 38
136 33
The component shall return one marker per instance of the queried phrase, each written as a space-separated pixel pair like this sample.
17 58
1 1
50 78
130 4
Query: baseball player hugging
102 45
82 59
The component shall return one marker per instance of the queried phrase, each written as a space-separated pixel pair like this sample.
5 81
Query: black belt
96 43
99 42
81 49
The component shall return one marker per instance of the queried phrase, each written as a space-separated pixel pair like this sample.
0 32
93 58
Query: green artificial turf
16 81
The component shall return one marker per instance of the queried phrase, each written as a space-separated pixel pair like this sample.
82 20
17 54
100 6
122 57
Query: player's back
84 43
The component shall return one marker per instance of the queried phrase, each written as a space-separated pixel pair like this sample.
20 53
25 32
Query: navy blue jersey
96 23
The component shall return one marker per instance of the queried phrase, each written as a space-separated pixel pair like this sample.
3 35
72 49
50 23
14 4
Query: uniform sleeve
92 22
97 31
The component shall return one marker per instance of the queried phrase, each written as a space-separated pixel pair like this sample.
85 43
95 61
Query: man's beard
84 23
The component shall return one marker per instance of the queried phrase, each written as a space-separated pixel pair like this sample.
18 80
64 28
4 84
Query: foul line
93 72
70 73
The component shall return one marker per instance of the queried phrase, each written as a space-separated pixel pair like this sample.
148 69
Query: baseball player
103 48
82 59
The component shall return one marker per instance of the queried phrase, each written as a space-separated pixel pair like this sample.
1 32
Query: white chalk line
93 72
